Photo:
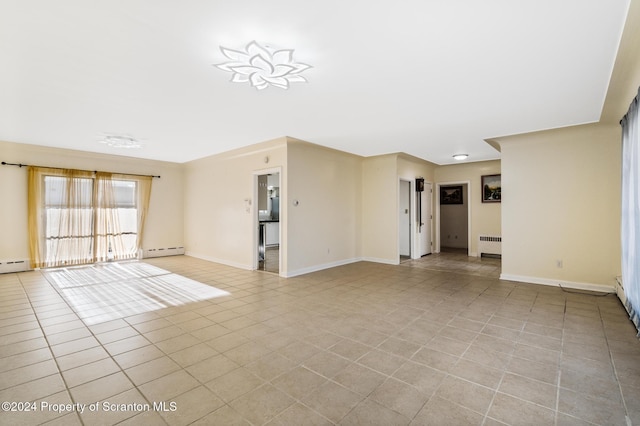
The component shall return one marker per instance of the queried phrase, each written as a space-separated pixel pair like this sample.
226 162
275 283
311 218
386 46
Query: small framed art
491 188
451 195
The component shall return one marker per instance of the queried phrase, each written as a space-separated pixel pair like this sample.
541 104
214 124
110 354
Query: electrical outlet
559 263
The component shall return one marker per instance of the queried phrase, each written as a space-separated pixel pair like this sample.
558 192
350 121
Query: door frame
411 219
428 222
255 220
437 212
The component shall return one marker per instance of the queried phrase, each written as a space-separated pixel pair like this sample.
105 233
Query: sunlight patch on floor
104 292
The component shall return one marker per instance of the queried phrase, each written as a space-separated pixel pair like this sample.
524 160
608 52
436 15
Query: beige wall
380 184
346 205
324 228
219 221
379 209
485 217
562 203
164 227
321 231
562 189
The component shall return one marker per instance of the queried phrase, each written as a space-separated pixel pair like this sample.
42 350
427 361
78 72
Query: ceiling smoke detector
121 141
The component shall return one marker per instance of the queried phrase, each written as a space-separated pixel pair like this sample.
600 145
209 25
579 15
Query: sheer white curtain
631 210
121 206
60 217
111 243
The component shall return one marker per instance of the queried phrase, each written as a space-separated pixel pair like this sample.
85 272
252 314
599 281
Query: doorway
267 253
453 217
404 221
424 220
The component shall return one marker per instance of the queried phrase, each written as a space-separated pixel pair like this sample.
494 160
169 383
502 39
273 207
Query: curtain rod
4 163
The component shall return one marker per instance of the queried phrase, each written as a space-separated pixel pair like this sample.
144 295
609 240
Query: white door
424 232
404 218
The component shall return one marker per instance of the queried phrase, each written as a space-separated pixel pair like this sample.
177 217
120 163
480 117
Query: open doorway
453 224
424 194
404 221
267 221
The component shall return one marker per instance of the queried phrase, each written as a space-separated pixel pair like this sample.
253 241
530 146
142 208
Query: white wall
164 227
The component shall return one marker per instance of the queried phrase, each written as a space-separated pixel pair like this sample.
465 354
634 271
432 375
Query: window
77 217
126 213
68 220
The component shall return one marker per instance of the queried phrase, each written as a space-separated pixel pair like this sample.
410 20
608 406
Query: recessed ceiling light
460 157
263 66
121 141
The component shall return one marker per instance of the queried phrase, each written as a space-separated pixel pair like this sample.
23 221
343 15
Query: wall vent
490 245
161 252
9 266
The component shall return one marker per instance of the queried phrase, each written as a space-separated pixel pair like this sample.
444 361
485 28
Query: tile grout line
615 370
44 334
110 356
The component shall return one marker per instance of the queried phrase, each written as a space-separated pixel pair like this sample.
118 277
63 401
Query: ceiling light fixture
263 66
460 157
121 141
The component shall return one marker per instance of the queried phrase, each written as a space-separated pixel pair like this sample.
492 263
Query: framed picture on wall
491 188
451 195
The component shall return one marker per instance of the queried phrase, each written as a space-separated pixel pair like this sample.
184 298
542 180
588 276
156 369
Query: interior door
424 232
404 218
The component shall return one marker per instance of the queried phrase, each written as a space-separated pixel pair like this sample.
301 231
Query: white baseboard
220 261
559 283
315 268
284 274
379 260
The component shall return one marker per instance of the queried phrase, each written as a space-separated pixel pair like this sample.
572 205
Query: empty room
322 213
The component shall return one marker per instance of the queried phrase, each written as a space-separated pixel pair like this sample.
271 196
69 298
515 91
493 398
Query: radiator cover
490 245
161 252
9 266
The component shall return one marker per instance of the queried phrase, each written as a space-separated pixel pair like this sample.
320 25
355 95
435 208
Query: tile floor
435 341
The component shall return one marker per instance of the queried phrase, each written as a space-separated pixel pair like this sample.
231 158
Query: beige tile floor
435 341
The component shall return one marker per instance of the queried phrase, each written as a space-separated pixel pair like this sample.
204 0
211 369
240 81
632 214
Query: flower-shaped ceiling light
263 66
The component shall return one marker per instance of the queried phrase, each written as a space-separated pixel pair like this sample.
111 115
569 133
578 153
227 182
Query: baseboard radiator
490 245
161 252
9 266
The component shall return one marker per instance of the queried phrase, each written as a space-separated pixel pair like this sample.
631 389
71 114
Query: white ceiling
431 78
